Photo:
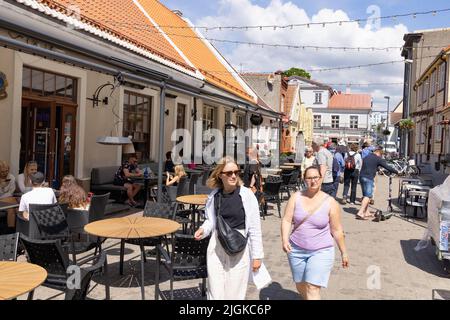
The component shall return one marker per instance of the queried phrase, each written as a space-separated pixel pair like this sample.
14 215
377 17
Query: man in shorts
366 178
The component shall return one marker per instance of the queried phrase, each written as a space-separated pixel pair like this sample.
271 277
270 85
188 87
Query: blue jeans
329 189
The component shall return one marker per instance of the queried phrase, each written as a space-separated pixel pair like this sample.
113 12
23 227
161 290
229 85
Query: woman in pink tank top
311 224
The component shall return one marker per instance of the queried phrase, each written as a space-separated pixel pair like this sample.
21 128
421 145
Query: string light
261 27
278 45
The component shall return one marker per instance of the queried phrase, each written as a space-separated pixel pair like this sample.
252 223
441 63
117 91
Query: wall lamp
166 112
95 100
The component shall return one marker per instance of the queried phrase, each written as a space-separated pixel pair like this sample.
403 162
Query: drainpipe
162 102
193 130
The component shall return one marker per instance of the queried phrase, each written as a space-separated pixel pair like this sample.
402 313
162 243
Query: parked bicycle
405 167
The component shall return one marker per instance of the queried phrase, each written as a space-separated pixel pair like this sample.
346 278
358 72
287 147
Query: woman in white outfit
228 275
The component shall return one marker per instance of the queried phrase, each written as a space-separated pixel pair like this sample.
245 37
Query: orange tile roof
353 101
194 49
123 19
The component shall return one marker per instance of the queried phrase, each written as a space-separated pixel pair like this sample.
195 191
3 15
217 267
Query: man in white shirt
324 160
39 195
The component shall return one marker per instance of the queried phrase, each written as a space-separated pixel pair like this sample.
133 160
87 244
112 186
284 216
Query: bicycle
404 167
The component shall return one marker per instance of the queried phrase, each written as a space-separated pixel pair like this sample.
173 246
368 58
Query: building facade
70 81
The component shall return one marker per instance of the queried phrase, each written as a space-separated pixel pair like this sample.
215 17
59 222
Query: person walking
338 167
228 274
367 176
252 171
324 160
316 220
309 159
353 164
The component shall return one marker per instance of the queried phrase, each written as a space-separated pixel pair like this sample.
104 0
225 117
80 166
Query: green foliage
406 124
297 72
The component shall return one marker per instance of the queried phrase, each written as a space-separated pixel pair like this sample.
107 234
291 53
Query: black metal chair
186 261
152 209
271 192
98 206
30 227
50 255
193 183
286 177
8 246
293 184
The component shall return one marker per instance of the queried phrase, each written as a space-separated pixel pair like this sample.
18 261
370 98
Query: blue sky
263 12
196 9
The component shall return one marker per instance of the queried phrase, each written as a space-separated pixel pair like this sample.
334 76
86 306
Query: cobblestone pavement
383 263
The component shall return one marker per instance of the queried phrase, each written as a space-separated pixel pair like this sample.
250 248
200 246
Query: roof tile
353 101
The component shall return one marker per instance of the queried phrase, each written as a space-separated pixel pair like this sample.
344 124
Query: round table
194 199
17 278
134 227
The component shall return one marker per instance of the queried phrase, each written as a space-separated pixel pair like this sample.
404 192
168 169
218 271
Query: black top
169 166
370 166
251 169
120 178
232 209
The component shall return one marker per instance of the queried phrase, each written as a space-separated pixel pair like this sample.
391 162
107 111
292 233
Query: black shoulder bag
232 241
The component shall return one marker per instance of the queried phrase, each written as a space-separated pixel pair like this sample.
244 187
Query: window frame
319 118
333 121
352 124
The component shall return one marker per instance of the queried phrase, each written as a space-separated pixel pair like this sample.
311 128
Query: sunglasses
230 173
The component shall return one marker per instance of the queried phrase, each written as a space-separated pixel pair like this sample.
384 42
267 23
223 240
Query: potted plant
406 124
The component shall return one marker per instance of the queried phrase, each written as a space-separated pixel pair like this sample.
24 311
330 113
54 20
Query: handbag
232 241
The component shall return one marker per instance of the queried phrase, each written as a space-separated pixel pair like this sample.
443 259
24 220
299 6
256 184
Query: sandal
361 218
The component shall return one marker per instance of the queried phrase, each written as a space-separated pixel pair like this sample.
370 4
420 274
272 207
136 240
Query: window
227 116
318 98
181 116
48 84
137 119
317 121
240 121
442 70
433 84
335 122
437 127
353 122
425 86
419 94
208 122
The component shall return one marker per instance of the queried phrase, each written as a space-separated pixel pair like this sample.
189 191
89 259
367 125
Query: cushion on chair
103 175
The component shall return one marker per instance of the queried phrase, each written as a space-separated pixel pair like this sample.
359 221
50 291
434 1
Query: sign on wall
3 85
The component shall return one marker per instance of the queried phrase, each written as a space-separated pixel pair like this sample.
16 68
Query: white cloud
277 12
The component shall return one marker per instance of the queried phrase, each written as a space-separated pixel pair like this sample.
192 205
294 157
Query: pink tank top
314 233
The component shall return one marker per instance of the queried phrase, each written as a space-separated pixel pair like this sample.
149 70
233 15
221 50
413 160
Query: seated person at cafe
23 179
179 173
169 165
72 194
7 188
129 169
40 194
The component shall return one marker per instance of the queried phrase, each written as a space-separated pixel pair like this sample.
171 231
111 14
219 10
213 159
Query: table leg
158 261
142 275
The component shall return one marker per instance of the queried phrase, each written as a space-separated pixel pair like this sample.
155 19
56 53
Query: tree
297 72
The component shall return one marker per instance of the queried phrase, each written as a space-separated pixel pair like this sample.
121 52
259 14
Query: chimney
178 12
347 90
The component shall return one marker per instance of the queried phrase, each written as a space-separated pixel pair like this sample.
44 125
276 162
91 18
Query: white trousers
227 275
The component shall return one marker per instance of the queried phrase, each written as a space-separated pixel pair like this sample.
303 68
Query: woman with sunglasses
311 221
228 275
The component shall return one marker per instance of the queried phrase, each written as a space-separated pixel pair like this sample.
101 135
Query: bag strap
310 213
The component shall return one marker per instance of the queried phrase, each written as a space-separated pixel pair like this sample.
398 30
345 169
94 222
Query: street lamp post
387 123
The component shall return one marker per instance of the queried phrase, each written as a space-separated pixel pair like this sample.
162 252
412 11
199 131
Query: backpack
350 163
